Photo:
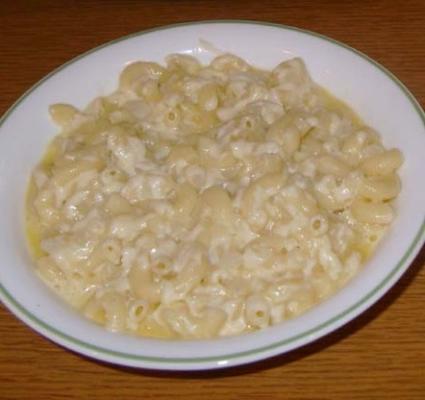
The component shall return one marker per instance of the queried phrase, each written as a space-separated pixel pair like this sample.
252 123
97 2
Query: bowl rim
306 336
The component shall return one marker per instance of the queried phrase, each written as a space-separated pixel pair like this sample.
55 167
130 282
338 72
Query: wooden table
379 355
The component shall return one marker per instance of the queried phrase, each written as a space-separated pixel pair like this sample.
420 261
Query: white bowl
370 89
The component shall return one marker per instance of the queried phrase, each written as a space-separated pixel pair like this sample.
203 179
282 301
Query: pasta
208 200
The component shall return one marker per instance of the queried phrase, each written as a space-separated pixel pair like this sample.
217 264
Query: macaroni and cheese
200 201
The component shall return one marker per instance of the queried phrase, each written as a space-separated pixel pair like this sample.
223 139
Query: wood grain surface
379 355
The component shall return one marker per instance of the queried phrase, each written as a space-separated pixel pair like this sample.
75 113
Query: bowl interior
372 92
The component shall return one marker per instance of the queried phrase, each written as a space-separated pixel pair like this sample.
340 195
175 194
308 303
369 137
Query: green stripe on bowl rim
412 250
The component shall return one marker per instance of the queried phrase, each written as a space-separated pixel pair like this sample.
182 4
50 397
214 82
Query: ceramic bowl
374 93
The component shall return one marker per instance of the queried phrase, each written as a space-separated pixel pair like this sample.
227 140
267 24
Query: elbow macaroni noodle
199 201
